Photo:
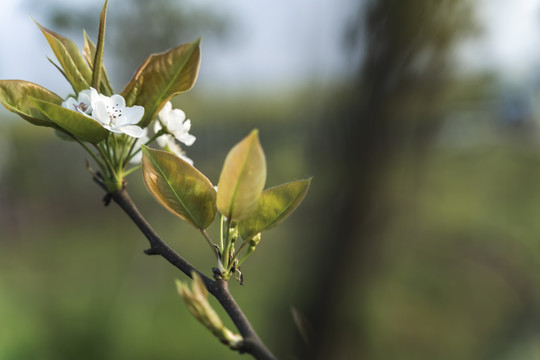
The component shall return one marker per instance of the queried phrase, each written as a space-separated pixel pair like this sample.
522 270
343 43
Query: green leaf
58 68
15 96
89 52
242 178
98 59
179 187
76 70
81 126
275 205
160 77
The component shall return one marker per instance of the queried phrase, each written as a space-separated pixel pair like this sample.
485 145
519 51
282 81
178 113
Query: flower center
115 113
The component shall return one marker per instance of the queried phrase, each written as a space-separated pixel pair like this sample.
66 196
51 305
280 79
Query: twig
219 288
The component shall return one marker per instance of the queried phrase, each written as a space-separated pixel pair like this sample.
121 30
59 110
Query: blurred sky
510 40
273 43
280 42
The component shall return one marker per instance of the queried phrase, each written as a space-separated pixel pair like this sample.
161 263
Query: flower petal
175 119
112 129
132 130
166 108
187 139
187 125
100 113
70 103
136 159
133 114
163 140
157 126
118 101
164 113
95 97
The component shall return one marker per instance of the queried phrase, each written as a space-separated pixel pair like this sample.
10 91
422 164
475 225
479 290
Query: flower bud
196 300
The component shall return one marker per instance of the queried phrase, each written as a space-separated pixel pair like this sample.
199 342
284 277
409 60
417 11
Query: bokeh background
419 238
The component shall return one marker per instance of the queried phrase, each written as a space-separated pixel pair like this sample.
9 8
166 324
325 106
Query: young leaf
98 59
58 68
81 126
89 52
160 77
242 178
15 96
179 187
275 204
76 70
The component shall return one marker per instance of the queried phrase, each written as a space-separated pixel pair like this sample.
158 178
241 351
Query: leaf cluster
244 207
157 80
246 210
110 127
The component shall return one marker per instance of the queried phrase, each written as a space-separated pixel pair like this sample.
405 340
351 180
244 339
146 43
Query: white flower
175 123
82 104
113 115
168 143
137 158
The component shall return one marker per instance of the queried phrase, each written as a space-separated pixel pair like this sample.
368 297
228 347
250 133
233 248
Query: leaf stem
221 221
96 159
246 255
212 245
126 173
226 249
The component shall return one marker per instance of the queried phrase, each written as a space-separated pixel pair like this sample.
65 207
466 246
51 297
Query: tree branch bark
219 288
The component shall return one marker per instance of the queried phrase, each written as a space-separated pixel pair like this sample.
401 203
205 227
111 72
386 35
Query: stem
226 249
116 154
126 173
106 159
154 137
129 153
125 150
96 159
238 253
241 261
221 232
219 288
108 148
214 250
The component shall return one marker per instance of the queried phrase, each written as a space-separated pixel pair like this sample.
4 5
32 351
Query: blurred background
419 239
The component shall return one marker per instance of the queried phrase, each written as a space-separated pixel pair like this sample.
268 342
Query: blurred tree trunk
389 112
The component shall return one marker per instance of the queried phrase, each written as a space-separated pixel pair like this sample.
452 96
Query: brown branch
219 288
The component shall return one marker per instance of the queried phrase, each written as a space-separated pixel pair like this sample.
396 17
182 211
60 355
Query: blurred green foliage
456 276
74 281
444 263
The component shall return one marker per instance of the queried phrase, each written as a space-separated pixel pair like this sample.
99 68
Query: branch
219 288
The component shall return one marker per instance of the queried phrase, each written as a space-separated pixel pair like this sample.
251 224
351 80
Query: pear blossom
168 143
137 158
82 104
113 114
174 122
